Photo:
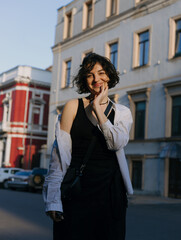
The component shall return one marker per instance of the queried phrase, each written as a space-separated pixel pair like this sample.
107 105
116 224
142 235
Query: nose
96 77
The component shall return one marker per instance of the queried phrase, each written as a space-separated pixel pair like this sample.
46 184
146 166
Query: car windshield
23 173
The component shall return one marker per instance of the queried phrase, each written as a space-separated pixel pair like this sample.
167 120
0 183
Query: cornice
139 10
23 80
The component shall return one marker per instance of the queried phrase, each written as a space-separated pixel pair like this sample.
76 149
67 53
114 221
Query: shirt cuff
54 207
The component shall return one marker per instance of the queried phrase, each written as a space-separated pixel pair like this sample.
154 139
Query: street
22 217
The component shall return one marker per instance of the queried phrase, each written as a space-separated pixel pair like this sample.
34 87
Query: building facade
143 40
24 107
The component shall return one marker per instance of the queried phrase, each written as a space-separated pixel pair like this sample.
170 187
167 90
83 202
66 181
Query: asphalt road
22 217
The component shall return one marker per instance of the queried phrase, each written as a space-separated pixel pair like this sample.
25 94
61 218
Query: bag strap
92 144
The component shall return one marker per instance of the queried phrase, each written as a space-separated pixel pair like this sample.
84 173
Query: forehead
97 67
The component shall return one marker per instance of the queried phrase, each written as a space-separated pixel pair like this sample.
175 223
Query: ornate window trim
85 14
136 34
64 69
108 50
172 36
68 28
171 89
137 96
133 158
7 104
108 8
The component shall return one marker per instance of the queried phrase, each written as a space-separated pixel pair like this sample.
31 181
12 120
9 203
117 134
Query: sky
27 32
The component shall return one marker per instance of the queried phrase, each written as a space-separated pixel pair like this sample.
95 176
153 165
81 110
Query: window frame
134 97
85 15
108 50
109 8
36 102
173 107
136 56
7 105
130 159
64 70
172 89
114 53
136 137
68 29
172 38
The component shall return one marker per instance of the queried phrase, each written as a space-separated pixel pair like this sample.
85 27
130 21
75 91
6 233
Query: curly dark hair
88 64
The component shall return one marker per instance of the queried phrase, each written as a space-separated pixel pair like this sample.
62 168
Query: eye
89 75
102 73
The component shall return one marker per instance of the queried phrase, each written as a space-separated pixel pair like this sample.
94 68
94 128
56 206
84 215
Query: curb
145 199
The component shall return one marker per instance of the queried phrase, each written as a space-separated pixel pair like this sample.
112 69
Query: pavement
151 199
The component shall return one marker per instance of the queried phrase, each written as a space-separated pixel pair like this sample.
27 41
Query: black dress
99 212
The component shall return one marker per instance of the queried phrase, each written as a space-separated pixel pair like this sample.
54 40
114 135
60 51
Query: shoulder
68 115
71 106
72 103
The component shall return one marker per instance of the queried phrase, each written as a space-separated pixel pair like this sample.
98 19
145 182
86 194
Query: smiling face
96 79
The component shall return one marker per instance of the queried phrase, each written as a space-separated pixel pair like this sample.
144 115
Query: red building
24 106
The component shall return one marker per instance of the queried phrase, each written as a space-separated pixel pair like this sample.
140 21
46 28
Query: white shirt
116 136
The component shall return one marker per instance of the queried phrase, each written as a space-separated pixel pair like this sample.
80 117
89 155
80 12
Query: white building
143 39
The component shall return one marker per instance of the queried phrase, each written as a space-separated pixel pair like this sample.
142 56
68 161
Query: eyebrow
98 71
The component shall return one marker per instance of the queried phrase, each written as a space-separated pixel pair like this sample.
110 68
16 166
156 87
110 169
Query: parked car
5 173
19 180
36 178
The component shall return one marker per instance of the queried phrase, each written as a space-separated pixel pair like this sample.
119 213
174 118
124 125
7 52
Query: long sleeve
51 187
117 134
59 162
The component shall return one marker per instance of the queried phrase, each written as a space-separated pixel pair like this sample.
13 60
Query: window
36 110
89 14
178 38
36 115
112 8
140 119
6 109
176 116
139 100
88 10
173 108
114 53
68 25
141 48
67 73
137 174
175 37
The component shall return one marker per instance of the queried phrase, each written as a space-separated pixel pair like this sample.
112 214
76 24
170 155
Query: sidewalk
147 199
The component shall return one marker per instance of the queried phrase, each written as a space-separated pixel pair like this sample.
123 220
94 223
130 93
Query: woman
99 212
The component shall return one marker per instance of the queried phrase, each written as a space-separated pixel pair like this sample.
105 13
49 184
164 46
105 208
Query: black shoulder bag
71 184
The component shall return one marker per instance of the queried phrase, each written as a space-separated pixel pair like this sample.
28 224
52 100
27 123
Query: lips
97 85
